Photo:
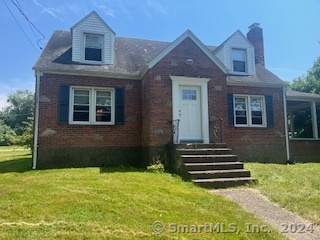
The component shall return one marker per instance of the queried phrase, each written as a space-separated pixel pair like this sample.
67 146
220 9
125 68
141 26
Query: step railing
216 130
175 130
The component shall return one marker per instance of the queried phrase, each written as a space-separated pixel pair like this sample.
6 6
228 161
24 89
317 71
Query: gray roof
263 77
130 57
295 95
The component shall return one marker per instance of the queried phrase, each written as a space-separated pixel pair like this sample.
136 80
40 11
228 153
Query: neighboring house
107 100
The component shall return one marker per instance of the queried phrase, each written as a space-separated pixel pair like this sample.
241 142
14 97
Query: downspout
286 123
36 120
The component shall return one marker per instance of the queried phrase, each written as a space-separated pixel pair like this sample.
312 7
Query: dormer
237 54
92 41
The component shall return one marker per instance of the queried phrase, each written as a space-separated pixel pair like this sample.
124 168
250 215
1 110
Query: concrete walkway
253 201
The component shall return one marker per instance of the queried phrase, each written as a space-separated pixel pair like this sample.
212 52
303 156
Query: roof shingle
130 57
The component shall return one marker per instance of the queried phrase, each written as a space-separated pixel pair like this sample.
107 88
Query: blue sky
291 29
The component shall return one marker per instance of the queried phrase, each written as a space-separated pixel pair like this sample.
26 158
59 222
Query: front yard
119 204
124 203
294 187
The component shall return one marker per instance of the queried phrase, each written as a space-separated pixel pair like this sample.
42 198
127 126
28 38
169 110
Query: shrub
157 165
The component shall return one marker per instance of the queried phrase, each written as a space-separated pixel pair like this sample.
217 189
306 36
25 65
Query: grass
294 187
121 203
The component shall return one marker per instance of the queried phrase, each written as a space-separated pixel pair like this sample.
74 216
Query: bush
7 135
26 139
157 166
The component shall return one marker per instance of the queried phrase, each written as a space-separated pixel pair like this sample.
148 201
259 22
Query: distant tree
310 82
7 135
19 111
26 138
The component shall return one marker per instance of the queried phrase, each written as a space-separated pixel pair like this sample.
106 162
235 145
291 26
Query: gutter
286 123
38 74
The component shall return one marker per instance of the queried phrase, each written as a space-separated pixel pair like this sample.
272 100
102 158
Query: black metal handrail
217 130
175 130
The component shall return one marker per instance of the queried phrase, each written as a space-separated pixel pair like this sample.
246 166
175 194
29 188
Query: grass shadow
19 165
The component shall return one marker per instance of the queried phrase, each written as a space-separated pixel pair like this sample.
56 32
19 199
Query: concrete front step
204 151
223 182
213 166
231 173
209 158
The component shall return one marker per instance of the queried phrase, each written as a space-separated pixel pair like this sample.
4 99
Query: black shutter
64 104
269 109
230 110
119 105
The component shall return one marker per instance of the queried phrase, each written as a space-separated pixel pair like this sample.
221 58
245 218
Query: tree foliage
7 135
310 82
20 109
16 120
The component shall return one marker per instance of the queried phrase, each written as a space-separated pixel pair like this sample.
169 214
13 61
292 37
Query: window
91 106
239 60
93 47
189 94
249 111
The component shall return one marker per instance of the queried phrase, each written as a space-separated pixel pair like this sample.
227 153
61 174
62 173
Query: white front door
190 113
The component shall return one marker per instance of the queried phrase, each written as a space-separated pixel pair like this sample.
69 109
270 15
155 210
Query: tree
310 82
19 111
7 135
26 138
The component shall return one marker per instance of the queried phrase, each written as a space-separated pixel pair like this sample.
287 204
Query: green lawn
294 187
119 204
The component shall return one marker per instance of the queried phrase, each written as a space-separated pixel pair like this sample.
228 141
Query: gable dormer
237 53
92 41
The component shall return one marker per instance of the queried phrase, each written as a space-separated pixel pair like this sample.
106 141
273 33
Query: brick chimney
255 36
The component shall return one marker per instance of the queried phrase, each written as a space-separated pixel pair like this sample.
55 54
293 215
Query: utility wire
17 5
20 27
30 26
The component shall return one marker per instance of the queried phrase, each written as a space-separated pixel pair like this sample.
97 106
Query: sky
291 29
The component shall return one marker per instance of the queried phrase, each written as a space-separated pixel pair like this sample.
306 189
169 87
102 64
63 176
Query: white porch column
314 120
291 124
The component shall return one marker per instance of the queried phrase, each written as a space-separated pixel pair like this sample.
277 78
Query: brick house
107 100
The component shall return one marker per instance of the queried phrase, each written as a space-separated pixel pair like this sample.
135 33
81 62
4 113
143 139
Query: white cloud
157 7
46 9
101 5
3 101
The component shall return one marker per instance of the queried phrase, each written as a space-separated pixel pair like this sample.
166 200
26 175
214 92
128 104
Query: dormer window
93 47
239 57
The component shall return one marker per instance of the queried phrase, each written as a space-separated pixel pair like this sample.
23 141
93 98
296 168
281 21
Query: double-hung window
93 47
91 106
249 111
239 57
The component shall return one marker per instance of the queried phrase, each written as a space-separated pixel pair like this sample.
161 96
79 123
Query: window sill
304 139
91 124
251 127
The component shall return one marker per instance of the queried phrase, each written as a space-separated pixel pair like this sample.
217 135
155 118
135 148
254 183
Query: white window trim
246 60
249 118
84 48
92 105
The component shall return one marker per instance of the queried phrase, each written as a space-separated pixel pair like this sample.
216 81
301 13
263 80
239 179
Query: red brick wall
127 135
304 150
259 144
157 90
